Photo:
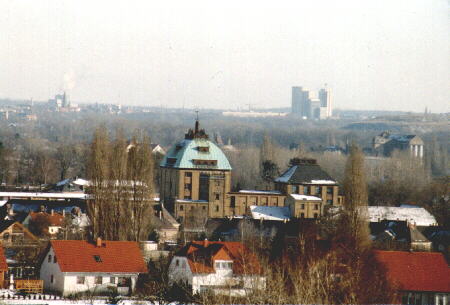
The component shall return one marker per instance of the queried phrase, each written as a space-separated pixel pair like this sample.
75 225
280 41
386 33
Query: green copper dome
196 151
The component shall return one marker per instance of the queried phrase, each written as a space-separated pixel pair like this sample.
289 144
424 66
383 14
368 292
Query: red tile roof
416 271
3 264
201 258
115 256
54 219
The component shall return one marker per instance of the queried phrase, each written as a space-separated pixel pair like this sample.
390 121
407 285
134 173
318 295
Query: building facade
305 105
75 266
218 267
386 143
195 177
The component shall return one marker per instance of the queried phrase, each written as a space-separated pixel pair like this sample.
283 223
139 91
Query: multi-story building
305 105
325 101
300 101
195 177
385 144
196 184
306 177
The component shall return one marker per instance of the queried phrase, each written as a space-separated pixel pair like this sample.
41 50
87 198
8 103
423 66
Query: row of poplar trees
121 186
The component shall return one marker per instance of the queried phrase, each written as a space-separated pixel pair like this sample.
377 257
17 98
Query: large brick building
196 184
195 177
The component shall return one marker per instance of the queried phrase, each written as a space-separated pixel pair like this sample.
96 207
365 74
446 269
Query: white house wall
180 273
223 277
71 286
47 270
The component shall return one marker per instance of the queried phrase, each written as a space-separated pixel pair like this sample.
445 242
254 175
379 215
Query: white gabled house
219 267
75 266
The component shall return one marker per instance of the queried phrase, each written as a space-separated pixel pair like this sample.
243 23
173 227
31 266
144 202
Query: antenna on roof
196 122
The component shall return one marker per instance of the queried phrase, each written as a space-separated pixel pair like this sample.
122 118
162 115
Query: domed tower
195 177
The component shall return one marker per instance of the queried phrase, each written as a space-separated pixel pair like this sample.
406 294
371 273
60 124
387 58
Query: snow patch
270 213
305 197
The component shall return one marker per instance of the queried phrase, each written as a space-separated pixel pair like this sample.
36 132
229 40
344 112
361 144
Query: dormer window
97 258
204 162
223 265
203 149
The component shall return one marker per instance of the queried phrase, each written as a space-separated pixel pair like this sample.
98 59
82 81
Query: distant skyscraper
325 101
300 101
305 105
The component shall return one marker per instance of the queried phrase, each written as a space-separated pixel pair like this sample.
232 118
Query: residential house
13 234
419 277
218 267
76 266
45 224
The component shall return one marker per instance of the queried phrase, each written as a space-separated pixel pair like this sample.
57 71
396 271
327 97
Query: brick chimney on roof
99 242
205 243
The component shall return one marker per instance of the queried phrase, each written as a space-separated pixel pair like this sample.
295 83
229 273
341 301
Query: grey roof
306 174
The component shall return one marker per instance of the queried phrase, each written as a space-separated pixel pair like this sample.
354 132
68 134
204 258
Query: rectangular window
217 208
316 207
188 174
52 279
303 206
217 196
294 189
306 190
316 215
177 263
330 201
49 259
80 280
98 280
112 280
232 201
203 208
54 259
330 190
318 190
181 207
302 215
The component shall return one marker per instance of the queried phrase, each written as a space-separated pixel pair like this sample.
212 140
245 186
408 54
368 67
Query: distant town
311 204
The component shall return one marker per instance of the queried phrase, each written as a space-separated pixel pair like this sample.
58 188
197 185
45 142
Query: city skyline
374 55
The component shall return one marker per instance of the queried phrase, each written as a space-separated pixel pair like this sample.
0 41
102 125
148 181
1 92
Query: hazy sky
381 54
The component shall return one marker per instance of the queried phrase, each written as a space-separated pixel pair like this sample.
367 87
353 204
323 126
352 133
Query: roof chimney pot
99 242
205 243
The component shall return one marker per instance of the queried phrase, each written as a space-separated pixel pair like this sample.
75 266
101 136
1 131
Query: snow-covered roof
191 201
260 192
417 216
305 172
270 212
287 175
77 181
322 182
305 197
